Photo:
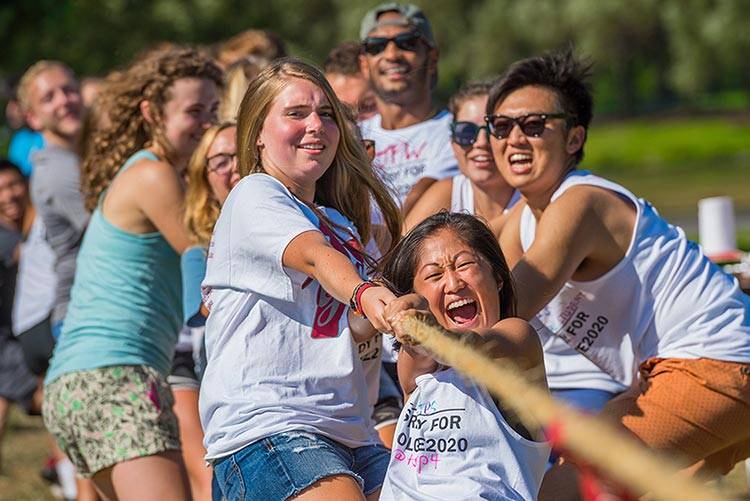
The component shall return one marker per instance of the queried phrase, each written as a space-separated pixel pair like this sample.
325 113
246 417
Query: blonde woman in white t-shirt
284 396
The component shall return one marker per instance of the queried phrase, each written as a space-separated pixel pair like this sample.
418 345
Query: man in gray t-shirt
55 190
49 93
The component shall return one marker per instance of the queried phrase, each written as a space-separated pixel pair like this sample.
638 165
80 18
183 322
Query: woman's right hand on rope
397 310
374 300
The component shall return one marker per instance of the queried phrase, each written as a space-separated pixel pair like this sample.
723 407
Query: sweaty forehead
529 99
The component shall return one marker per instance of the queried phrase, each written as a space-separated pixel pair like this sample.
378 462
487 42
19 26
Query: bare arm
160 196
586 231
415 193
436 198
311 254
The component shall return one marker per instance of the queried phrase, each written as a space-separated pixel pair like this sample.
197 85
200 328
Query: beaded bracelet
355 303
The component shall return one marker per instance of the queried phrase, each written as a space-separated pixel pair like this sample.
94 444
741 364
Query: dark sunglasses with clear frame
221 163
466 133
532 125
408 41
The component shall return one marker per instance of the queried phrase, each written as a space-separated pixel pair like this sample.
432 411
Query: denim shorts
283 465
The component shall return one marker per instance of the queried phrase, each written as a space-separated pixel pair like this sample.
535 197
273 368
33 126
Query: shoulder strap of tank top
138 155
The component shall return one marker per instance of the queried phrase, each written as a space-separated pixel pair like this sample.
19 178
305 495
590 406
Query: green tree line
648 54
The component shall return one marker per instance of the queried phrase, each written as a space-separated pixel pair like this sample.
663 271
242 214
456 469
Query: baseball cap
412 16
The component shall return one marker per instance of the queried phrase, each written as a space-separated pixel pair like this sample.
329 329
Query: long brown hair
349 185
149 78
201 206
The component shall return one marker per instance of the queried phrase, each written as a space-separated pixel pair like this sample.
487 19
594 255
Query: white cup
716 226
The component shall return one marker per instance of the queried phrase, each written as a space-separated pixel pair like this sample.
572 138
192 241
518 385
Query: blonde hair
36 69
201 206
126 131
237 78
349 185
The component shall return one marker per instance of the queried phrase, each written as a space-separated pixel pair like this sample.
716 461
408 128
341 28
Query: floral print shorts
104 416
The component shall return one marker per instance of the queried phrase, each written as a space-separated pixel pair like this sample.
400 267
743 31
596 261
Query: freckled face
299 137
457 282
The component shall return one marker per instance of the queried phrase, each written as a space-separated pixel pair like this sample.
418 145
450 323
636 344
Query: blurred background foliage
671 81
650 55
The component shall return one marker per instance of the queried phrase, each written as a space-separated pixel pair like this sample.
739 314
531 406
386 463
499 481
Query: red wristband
356 301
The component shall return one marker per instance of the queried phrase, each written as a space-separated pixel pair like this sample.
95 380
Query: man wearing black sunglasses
600 269
399 58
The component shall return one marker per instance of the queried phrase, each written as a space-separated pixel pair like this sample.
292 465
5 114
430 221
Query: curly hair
149 78
201 207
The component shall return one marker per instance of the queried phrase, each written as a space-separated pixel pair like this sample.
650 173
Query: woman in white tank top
479 188
452 440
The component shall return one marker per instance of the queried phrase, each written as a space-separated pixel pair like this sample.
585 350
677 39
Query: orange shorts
698 409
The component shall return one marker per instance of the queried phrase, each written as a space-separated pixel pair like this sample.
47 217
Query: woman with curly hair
107 400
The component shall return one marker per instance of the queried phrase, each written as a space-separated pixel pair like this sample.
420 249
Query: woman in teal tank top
107 401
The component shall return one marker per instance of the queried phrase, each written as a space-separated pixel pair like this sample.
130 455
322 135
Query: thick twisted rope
587 437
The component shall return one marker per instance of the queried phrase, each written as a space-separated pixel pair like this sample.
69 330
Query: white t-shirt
663 299
404 156
453 443
36 282
280 354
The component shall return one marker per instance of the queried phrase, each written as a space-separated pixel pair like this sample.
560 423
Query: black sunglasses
532 125
466 133
408 41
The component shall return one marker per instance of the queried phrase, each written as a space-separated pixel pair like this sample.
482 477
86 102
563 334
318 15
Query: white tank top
663 299
462 196
452 443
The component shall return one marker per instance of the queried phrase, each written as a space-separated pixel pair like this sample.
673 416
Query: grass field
673 163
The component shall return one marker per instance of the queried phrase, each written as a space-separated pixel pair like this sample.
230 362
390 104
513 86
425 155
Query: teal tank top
126 301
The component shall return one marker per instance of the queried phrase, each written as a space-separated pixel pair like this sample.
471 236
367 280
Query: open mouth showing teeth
520 159
316 147
481 158
462 311
398 70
